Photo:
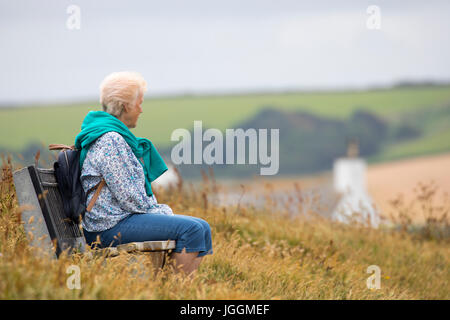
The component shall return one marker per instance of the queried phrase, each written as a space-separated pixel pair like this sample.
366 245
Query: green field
61 123
427 145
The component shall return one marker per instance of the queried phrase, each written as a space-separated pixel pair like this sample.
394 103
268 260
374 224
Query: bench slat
147 246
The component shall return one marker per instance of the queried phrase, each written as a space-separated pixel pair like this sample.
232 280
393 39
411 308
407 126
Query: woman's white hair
120 88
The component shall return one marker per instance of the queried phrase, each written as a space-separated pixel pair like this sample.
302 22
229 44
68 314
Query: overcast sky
203 46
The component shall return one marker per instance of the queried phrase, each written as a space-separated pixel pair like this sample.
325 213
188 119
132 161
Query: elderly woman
126 209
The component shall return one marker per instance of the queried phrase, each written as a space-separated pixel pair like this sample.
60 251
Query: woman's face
132 112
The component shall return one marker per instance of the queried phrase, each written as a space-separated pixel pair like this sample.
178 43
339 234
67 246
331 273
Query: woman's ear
126 107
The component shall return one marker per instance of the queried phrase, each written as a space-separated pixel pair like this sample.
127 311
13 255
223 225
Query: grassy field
61 123
257 255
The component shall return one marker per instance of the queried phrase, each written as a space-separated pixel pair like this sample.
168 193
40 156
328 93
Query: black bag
67 174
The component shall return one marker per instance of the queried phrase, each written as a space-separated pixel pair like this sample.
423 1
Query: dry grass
258 254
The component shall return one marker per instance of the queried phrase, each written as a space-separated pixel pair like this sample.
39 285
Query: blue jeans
191 233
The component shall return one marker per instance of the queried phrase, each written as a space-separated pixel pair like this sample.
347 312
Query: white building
349 182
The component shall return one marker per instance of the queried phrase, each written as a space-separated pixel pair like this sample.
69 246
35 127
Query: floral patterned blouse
112 158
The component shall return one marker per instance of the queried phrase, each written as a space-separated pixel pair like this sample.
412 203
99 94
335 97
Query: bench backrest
48 206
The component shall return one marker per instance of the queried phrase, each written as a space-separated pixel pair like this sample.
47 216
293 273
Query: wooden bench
48 229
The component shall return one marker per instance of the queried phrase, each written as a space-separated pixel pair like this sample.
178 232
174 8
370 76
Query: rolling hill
423 111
